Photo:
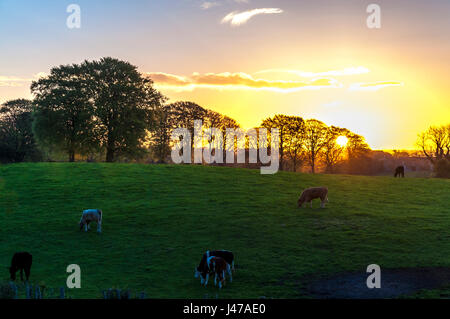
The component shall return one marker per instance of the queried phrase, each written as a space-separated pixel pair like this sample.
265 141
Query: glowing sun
342 141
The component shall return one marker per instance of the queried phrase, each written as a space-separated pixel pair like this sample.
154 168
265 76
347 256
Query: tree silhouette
63 115
315 139
17 141
123 103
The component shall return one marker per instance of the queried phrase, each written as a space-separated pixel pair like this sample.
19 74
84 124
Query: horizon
314 60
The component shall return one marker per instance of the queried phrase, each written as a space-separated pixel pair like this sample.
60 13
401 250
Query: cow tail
101 215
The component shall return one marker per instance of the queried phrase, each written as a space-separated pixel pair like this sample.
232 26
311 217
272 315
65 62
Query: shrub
442 168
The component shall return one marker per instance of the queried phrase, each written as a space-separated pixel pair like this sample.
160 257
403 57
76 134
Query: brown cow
311 193
218 266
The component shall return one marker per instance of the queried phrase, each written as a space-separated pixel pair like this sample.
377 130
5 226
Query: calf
311 193
218 266
21 261
91 215
400 171
203 271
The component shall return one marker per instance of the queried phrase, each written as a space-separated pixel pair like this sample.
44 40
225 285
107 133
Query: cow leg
229 273
206 280
215 279
85 227
21 274
27 273
99 227
311 203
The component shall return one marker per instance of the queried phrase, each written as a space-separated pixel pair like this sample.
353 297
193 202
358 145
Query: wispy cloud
209 4
16 81
343 72
236 81
238 18
373 86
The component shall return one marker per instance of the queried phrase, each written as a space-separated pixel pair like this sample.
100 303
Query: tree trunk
109 155
71 156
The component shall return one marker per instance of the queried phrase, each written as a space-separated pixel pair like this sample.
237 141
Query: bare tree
435 143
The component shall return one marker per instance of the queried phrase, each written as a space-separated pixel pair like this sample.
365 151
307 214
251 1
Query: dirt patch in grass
394 283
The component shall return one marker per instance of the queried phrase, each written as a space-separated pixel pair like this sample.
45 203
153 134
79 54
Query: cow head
81 225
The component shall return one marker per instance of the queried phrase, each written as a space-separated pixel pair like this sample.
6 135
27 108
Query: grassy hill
159 219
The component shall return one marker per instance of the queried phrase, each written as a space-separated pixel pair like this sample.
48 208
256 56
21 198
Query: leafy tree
64 113
359 160
295 140
17 141
184 115
315 139
332 152
283 123
124 104
161 132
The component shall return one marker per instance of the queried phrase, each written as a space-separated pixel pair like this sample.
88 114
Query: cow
21 261
203 271
218 266
400 171
311 193
91 215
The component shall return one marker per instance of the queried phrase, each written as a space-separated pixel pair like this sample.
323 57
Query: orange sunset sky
251 59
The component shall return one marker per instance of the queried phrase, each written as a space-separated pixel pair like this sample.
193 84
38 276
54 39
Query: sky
252 59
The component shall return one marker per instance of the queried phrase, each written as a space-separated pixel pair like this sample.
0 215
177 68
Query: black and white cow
204 270
21 261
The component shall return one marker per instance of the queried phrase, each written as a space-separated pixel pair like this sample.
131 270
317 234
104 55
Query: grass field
159 219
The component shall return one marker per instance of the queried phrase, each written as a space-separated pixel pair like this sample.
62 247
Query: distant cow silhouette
400 171
21 261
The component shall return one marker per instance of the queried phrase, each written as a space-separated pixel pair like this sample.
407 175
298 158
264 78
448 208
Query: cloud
239 18
373 86
15 81
238 80
209 4
343 72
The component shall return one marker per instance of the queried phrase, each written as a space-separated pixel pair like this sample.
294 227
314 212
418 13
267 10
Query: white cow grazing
91 215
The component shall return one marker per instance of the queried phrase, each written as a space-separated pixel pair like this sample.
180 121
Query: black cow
203 270
21 261
400 171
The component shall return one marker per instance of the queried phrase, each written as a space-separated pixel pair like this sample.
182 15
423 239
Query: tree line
106 110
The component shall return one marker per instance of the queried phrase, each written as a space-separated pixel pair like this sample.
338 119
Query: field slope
159 219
